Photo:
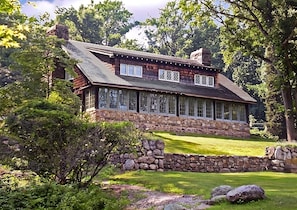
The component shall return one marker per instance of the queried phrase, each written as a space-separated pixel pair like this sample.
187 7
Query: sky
140 9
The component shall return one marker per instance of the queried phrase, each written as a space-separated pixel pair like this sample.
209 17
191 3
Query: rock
269 152
278 154
174 206
145 144
245 193
220 190
218 199
129 164
160 144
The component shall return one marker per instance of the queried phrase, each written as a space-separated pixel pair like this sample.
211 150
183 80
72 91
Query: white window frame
168 75
125 70
203 80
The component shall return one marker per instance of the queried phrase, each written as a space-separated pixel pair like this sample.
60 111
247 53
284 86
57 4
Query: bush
54 196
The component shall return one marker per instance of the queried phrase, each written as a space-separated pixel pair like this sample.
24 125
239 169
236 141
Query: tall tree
35 60
103 23
265 29
176 35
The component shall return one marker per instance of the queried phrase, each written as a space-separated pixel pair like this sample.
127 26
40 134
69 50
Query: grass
280 188
213 145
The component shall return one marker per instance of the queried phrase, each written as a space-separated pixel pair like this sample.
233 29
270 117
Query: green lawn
212 145
280 188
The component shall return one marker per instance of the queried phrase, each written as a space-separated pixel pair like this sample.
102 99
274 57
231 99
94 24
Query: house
157 92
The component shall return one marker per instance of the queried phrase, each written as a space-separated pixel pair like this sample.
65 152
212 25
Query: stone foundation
152 122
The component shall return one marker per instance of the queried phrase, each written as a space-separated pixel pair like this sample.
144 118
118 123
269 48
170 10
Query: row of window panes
229 111
117 99
189 106
204 80
126 100
130 70
157 103
167 75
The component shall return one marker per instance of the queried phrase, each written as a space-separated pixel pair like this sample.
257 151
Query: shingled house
158 92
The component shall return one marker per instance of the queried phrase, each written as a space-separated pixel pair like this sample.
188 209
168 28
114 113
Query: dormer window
168 75
204 80
130 70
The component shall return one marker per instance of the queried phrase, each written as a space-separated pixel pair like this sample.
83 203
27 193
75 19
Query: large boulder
245 194
129 164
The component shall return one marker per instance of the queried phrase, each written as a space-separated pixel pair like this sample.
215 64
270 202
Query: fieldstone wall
150 156
203 163
283 158
174 124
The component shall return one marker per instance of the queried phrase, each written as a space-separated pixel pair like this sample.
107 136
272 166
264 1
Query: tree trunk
289 113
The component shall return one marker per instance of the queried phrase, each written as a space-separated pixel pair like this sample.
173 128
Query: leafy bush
57 143
53 196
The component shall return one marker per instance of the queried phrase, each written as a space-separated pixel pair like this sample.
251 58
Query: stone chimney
60 31
202 56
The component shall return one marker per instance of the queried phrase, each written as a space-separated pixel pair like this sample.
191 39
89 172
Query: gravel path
143 198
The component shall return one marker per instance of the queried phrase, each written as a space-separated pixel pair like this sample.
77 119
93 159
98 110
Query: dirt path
143 198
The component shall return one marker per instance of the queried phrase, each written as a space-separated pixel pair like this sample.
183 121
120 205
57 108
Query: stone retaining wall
283 158
151 156
176 124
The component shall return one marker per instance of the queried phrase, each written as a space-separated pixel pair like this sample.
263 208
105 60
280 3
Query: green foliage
12 29
53 196
175 34
102 23
59 144
262 29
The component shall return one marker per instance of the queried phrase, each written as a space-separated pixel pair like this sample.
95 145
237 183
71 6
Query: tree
11 29
175 34
265 29
59 144
103 23
34 61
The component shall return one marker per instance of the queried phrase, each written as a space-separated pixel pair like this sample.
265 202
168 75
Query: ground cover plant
279 187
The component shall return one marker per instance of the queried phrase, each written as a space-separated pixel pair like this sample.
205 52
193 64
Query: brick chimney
60 31
202 56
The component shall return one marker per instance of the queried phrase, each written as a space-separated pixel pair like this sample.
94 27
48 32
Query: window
200 108
132 100
130 70
89 99
103 96
182 105
167 75
208 109
204 80
68 76
112 98
229 111
191 106
157 103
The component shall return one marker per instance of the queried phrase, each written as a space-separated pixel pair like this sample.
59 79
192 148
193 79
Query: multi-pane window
229 111
112 98
193 107
130 70
204 80
157 103
168 75
89 98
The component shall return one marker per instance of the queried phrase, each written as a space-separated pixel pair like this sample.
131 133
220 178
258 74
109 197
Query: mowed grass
212 145
280 188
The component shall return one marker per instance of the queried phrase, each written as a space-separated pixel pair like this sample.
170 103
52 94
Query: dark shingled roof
98 74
